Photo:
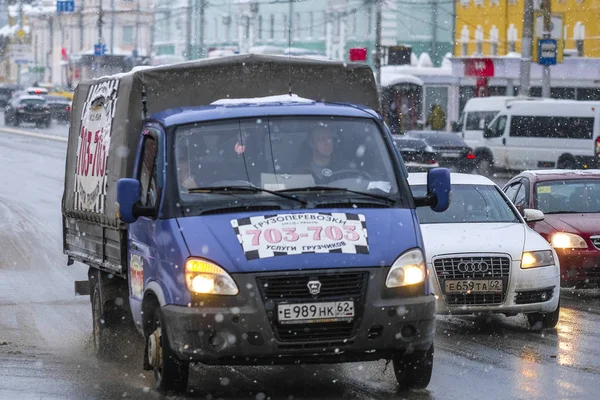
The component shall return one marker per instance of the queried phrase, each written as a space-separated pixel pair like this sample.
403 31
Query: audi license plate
305 313
474 286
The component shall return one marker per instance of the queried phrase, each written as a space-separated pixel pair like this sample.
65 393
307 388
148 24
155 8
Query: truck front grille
293 288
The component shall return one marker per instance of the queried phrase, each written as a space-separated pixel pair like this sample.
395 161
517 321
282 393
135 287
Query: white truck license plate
302 313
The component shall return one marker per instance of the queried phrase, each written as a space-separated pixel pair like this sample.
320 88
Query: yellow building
494 27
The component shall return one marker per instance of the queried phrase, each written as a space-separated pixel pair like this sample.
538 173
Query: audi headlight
534 259
564 240
408 269
205 277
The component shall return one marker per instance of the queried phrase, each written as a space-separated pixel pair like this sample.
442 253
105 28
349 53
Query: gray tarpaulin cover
107 112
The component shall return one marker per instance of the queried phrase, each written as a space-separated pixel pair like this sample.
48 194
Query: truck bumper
244 329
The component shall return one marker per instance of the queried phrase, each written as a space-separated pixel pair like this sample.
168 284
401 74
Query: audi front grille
473 267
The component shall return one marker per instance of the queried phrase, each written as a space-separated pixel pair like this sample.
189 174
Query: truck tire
112 323
413 371
539 321
100 331
170 373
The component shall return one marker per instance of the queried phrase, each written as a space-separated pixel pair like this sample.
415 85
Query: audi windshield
469 204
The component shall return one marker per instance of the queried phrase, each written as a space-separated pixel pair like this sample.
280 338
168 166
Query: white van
542 134
479 112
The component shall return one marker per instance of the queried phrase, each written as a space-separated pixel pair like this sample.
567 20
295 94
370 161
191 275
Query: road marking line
33 134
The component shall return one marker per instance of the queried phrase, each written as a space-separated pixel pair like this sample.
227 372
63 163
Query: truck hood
444 239
389 232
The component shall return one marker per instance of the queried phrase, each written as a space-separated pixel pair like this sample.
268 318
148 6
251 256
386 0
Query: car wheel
413 371
170 373
566 163
485 166
539 321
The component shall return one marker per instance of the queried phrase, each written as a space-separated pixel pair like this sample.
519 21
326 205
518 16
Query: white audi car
482 257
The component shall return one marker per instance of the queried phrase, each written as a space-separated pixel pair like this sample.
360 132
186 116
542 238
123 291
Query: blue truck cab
266 230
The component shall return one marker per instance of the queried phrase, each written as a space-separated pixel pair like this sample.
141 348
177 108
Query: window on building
311 24
260 27
297 25
369 20
465 3
217 28
354 22
325 20
285 25
479 2
272 27
127 38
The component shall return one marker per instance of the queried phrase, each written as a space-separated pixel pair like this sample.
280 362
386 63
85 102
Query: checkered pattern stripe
253 254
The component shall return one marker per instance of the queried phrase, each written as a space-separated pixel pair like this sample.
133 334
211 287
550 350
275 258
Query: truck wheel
539 321
170 374
413 371
100 331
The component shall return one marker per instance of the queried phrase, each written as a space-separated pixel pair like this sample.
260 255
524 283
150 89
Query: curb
33 134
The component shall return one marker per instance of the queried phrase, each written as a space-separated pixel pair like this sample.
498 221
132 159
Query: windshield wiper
337 189
249 189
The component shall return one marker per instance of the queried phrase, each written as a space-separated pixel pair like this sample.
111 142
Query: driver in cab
322 144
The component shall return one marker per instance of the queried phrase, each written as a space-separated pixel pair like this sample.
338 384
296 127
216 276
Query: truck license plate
474 286
303 313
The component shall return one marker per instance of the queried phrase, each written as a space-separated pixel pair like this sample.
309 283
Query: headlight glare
205 277
564 240
408 269
534 259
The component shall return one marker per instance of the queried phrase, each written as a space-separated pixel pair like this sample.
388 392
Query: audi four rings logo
473 266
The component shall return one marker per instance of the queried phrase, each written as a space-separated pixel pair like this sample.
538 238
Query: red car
570 201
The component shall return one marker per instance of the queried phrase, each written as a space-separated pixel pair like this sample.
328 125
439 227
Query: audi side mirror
531 215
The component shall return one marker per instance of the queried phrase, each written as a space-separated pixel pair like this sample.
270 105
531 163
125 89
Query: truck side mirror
456 127
128 198
438 190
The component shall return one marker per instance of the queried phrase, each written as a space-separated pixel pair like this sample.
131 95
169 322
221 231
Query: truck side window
500 126
148 172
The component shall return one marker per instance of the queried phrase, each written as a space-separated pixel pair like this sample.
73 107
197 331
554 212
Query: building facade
59 40
494 27
190 28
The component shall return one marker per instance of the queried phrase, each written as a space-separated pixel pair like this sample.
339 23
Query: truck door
143 249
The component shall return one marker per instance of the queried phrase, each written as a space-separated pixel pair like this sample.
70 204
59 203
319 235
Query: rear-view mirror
531 215
438 190
128 196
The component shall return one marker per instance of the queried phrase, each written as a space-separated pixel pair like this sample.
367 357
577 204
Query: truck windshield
283 154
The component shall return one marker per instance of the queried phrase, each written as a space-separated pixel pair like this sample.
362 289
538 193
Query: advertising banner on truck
93 147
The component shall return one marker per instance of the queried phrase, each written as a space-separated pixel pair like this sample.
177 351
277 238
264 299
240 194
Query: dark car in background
417 155
60 108
6 93
450 150
32 109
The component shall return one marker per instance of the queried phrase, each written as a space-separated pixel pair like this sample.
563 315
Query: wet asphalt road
45 331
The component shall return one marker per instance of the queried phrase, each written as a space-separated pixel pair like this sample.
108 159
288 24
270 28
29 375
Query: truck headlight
534 259
408 269
205 277
564 240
